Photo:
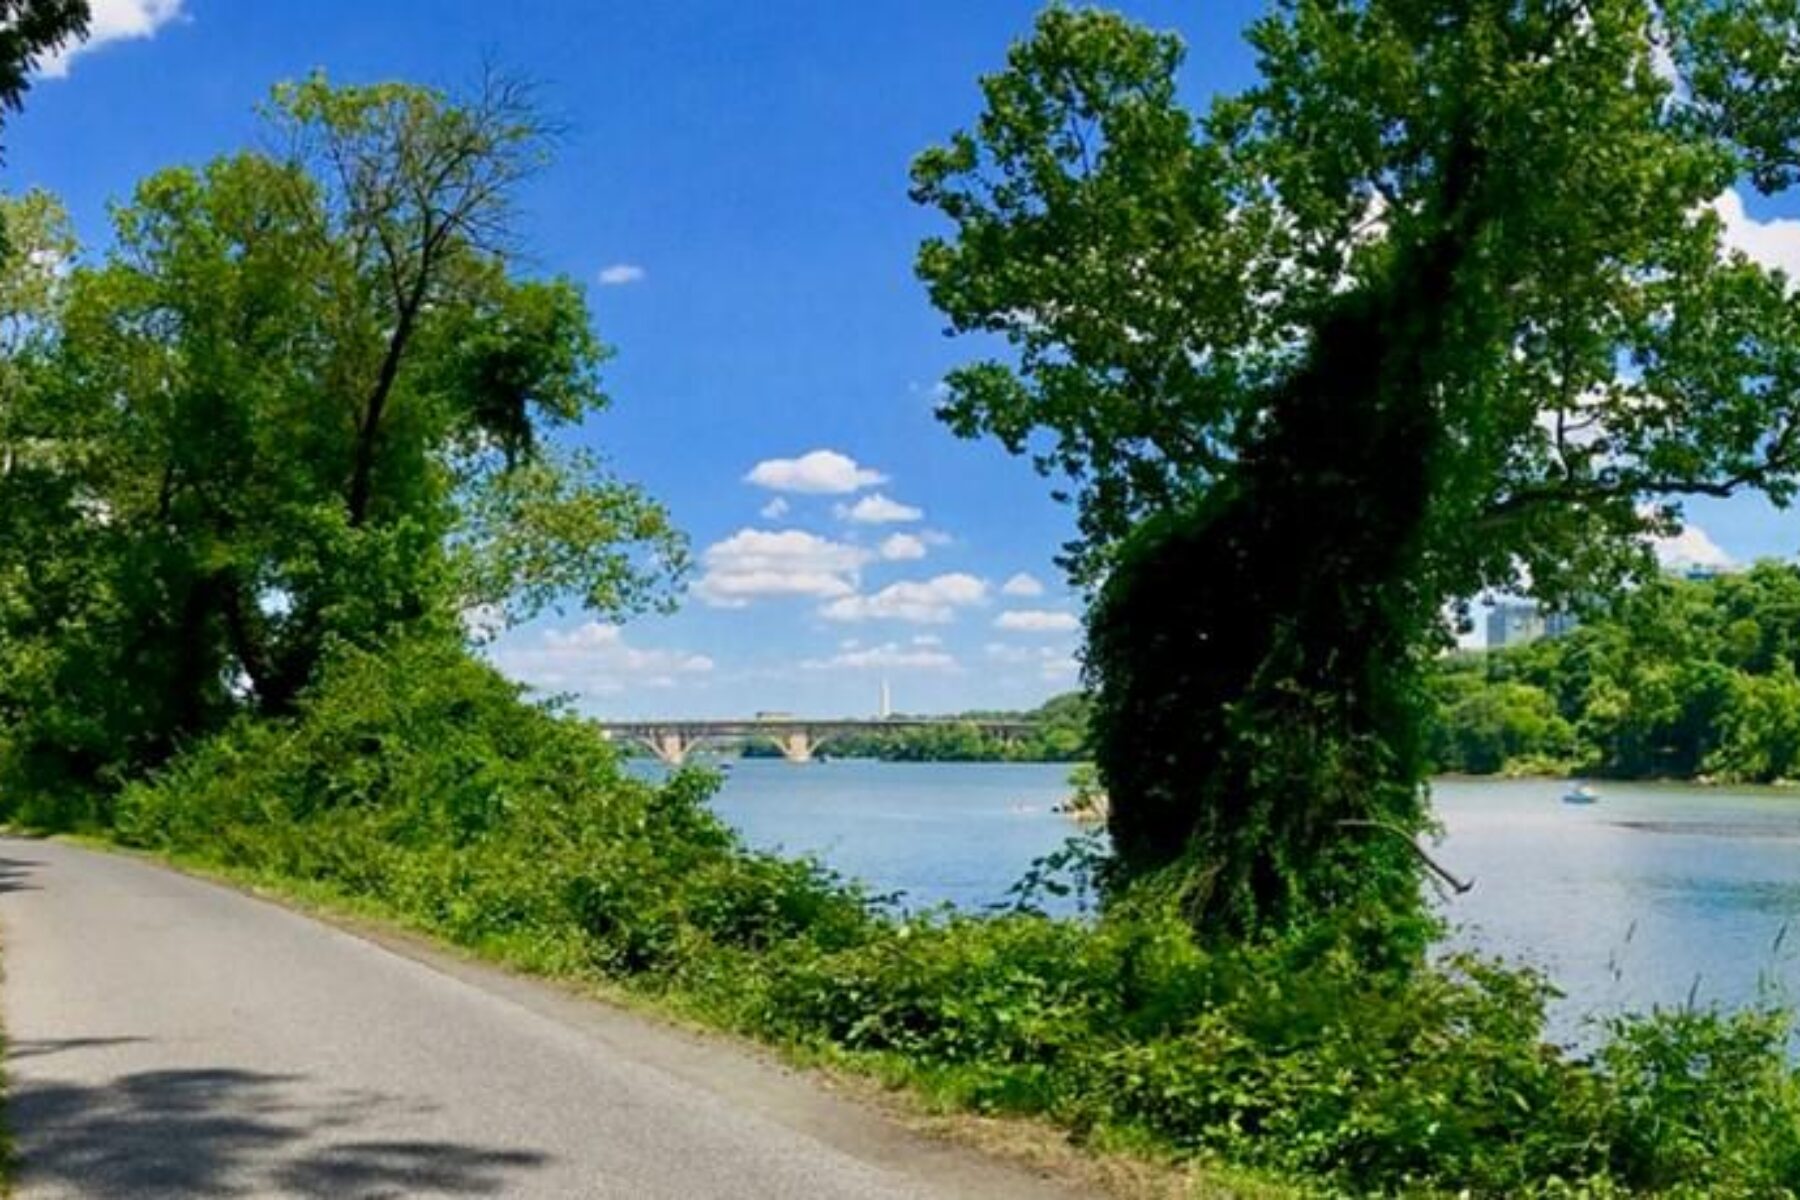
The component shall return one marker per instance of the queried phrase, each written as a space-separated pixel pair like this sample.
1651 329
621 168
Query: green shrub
417 781
417 778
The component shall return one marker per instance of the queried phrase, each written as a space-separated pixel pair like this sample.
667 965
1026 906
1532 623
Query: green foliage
30 30
1059 734
1292 1057
1244 772
1676 679
306 400
1320 355
415 782
417 779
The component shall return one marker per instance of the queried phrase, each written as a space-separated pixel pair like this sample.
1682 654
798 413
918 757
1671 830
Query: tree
1438 306
29 29
304 404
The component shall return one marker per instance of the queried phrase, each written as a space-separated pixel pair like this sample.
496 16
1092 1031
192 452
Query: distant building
1516 622
1513 623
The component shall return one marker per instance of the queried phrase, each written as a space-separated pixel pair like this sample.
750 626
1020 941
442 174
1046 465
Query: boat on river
1581 793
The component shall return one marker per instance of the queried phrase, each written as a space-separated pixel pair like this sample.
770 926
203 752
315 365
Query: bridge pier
670 747
797 746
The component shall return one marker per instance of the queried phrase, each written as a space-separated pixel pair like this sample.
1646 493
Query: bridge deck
798 738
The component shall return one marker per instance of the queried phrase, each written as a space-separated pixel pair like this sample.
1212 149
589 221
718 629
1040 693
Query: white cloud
925 602
902 547
820 472
890 656
775 509
753 563
1692 547
1022 585
114 21
927 639
1772 243
593 660
1037 620
620 274
878 510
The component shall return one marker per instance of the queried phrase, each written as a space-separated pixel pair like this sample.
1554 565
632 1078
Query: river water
1652 896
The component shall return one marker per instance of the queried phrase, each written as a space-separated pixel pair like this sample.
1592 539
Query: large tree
1440 305
302 402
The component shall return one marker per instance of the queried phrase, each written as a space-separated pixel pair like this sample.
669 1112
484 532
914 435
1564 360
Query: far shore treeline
1676 679
1058 734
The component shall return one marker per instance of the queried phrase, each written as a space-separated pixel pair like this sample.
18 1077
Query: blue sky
733 191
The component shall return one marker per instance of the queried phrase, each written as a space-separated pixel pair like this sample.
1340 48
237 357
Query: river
1655 894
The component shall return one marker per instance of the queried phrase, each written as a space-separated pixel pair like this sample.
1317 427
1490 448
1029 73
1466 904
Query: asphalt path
170 1037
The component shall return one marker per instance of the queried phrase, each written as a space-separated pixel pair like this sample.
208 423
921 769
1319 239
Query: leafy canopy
305 399
1158 274
1441 304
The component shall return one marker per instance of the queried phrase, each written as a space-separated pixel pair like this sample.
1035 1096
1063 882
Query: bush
418 779
418 782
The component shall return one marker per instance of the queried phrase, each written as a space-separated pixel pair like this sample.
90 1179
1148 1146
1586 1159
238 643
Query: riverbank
425 792
413 786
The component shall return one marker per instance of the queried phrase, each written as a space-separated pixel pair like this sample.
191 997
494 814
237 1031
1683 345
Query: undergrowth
416 782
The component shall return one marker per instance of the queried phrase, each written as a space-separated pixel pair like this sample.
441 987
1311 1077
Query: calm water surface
1654 894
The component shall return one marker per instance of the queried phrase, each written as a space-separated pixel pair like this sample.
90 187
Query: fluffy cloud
925 602
889 656
1022 585
775 509
821 472
879 510
594 660
1692 547
620 274
1772 243
902 547
115 21
1037 620
753 563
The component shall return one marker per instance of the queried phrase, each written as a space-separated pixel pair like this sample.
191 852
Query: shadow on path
218 1132
14 872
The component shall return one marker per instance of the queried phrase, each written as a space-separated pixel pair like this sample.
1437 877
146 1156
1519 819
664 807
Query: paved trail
170 1038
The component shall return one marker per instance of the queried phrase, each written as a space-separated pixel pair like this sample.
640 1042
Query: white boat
1581 793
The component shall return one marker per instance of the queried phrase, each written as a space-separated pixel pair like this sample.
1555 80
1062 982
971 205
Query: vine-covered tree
301 403
1441 304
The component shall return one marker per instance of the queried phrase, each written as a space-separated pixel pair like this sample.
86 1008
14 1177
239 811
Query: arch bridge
798 738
